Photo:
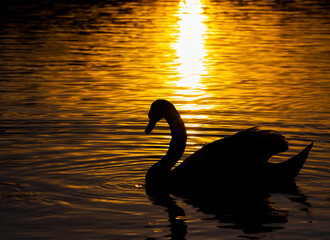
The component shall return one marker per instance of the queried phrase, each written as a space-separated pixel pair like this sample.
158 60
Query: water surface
77 80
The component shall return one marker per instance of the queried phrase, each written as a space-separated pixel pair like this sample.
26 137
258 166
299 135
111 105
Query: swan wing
241 155
249 147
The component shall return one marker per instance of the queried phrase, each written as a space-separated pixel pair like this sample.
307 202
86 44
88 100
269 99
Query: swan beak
150 126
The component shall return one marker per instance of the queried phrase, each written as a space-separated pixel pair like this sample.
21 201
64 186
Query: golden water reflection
189 47
191 53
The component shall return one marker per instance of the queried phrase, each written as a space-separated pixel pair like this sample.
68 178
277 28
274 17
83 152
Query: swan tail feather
288 170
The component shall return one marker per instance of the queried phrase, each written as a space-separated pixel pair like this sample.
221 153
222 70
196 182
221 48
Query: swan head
159 109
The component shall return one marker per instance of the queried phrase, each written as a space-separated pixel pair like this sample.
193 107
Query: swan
238 160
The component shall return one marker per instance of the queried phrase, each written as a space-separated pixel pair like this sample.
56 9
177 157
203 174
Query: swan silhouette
240 160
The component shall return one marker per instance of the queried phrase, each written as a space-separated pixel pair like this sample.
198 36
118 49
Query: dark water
77 80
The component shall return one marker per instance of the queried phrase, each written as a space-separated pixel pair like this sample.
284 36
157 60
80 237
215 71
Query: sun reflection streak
190 45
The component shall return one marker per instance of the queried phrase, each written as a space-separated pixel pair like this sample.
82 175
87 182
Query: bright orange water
76 84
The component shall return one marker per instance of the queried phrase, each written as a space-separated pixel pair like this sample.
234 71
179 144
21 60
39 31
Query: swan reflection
247 212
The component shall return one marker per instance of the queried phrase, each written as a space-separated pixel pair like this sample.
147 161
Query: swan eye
155 116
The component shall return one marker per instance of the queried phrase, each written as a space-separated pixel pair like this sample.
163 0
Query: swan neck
178 141
157 176
178 129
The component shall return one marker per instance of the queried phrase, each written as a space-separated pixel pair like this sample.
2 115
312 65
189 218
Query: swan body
240 160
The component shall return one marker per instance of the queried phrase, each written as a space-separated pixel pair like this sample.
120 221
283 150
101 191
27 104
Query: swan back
228 162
